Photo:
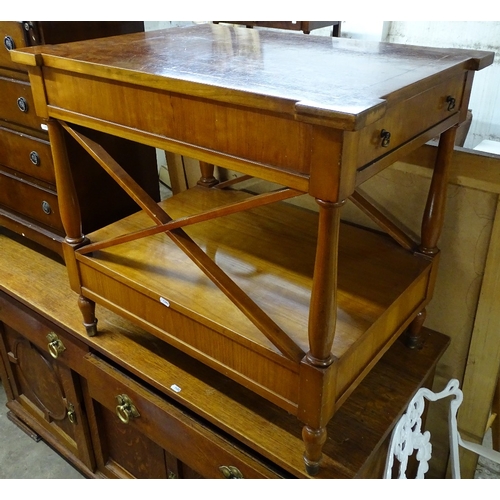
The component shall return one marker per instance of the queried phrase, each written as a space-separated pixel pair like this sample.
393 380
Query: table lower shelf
269 253
357 433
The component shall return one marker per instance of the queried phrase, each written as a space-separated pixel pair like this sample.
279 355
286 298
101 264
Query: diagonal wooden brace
244 303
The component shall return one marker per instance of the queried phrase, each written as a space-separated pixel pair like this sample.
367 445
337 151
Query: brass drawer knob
55 346
9 43
230 472
22 104
386 138
125 409
451 102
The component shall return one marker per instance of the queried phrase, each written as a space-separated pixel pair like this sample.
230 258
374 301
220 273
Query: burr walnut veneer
290 303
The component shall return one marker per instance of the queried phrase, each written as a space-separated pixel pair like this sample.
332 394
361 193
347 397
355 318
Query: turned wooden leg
323 307
316 404
87 308
69 207
432 221
433 218
314 439
413 337
207 175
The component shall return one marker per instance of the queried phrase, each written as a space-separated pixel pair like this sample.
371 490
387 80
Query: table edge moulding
300 325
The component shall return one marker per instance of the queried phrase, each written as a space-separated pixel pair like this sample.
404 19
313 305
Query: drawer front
13 37
30 201
16 103
409 119
43 334
26 154
190 441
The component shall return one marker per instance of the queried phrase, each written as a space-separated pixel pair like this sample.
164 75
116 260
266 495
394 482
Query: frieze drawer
409 119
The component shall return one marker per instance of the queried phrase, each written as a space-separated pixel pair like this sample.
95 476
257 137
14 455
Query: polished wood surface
352 110
35 298
194 93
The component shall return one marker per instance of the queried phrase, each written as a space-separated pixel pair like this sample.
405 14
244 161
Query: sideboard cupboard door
121 451
138 433
45 395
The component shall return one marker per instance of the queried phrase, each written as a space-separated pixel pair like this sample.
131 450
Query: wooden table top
348 81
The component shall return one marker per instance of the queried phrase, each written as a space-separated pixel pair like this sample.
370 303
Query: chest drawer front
16 103
30 200
26 154
189 440
13 37
409 119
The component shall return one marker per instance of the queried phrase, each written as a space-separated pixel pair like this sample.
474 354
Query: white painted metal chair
408 438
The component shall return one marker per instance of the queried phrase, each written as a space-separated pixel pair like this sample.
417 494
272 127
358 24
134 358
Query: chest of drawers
28 194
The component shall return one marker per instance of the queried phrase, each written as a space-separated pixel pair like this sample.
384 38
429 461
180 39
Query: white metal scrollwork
408 438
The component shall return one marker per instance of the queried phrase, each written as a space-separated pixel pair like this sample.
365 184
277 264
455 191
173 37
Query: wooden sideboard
28 193
291 304
191 421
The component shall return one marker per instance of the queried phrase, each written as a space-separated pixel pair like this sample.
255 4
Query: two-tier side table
290 303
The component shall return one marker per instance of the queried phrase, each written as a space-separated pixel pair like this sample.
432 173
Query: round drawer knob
55 346
35 158
125 409
22 104
9 43
46 207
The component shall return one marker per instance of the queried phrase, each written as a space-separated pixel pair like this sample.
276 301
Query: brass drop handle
125 409
451 102
55 346
71 414
230 472
386 138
